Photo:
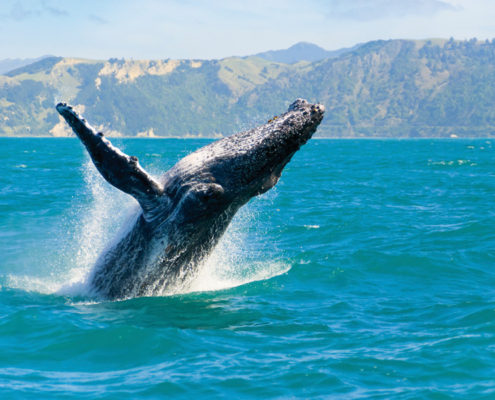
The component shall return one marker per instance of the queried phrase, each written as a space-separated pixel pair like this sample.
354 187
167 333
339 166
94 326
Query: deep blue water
368 272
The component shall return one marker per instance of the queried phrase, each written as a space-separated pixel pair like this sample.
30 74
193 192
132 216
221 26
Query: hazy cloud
97 19
367 10
57 12
19 13
220 28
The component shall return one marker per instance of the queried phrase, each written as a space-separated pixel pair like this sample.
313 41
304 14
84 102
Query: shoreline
218 138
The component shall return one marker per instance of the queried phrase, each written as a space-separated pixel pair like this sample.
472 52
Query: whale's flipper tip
61 106
64 108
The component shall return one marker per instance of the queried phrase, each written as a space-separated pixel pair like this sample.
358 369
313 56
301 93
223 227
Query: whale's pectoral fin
119 169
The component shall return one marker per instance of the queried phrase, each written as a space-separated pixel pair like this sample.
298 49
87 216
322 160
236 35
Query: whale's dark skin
185 212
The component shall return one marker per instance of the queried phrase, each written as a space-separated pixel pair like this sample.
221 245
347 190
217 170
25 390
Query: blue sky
214 29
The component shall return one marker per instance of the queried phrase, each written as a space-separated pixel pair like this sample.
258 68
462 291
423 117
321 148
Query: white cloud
366 10
215 29
21 10
97 19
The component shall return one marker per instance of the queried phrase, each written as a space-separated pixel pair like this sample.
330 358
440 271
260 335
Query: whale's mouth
269 182
272 178
289 141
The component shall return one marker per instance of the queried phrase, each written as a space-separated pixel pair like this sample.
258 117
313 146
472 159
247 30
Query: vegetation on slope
395 88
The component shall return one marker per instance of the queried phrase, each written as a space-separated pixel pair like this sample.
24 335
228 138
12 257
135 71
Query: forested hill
396 88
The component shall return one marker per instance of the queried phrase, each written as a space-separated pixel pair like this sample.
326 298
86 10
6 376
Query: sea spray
99 215
237 259
108 216
95 214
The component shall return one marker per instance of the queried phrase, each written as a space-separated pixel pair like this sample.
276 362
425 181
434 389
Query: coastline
217 138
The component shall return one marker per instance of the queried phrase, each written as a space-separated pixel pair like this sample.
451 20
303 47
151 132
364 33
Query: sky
201 29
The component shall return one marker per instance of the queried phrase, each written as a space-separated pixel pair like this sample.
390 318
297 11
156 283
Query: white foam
239 258
312 226
220 275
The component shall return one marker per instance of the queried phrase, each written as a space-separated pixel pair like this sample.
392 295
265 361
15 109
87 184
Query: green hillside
395 88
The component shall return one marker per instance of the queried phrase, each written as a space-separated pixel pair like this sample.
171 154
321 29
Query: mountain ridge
303 51
9 64
389 88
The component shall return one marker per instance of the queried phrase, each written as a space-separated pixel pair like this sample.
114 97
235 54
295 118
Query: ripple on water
365 274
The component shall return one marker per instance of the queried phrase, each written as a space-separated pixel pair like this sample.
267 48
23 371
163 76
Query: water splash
92 220
102 215
108 216
237 259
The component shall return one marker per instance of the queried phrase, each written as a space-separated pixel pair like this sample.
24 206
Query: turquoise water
368 272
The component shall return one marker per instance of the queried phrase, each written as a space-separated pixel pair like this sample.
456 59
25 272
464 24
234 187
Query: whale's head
227 173
257 157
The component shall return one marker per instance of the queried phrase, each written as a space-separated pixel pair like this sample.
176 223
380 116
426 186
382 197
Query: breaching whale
185 212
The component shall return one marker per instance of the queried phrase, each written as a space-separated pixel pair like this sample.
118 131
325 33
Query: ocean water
368 272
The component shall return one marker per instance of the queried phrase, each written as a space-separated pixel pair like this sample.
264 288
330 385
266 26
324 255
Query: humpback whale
184 213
